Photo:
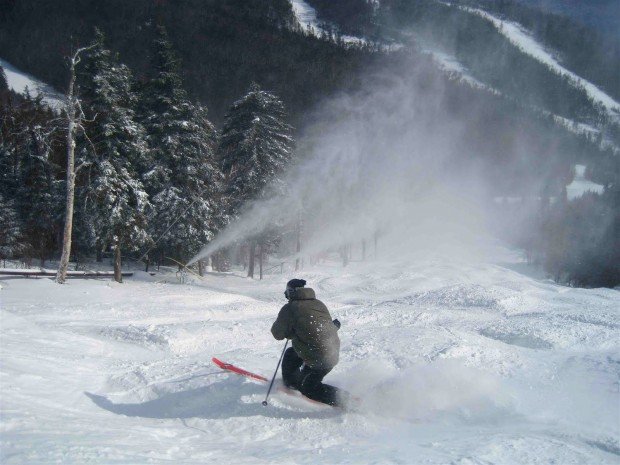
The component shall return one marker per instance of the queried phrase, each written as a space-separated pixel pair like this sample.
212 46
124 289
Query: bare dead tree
74 117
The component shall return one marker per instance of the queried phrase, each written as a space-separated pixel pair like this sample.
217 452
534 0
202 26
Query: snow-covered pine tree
10 230
116 201
182 178
7 137
38 192
4 84
255 146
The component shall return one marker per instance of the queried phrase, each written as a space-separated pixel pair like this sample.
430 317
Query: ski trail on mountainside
520 37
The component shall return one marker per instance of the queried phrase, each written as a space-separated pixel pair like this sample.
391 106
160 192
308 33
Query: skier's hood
303 293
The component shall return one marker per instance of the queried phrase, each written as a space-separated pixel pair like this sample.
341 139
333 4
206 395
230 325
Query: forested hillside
588 44
601 15
586 49
224 45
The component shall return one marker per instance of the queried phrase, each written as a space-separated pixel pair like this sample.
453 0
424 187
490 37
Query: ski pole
265 403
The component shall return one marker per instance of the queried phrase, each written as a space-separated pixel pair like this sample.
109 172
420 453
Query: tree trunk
376 239
251 259
147 263
201 269
118 277
344 254
298 245
244 255
260 262
61 276
99 254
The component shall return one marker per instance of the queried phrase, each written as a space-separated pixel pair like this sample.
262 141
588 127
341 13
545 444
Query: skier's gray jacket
308 323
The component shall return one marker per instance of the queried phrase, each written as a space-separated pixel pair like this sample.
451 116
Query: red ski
249 374
239 371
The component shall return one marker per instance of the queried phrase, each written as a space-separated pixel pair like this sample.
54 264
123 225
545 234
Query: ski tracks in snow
455 362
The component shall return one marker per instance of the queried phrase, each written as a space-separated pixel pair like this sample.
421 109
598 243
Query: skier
316 345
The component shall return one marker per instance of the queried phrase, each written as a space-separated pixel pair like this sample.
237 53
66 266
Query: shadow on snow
217 401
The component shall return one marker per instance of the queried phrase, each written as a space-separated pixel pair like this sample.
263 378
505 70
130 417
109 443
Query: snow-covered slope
523 39
457 363
455 69
19 81
306 16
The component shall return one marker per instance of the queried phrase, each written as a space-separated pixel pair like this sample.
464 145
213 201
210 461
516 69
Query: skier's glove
337 324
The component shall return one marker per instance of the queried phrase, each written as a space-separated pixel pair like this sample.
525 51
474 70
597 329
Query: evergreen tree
580 240
7 138
38 191
116 199
255 146
4 85
10 229
182 177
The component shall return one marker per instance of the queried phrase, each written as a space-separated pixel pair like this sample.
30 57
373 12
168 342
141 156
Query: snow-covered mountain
424 31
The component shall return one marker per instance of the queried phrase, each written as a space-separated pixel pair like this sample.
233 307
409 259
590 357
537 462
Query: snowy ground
457 362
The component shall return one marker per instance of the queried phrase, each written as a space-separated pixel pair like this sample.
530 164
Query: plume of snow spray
375 161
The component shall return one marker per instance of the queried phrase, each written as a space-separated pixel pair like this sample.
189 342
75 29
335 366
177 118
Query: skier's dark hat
295 283
292 285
